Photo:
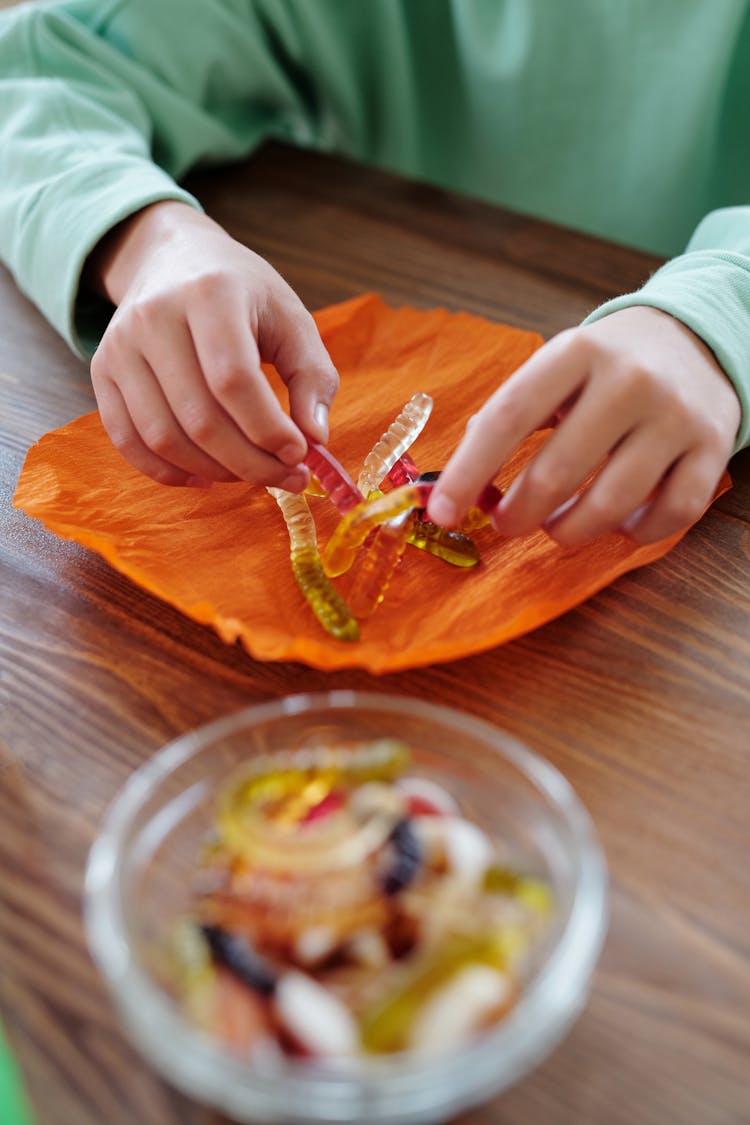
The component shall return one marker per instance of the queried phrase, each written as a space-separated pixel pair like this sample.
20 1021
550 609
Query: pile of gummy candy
375 527
345 908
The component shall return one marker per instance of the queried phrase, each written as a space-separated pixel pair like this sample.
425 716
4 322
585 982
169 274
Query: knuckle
99 365
643 381
506 409
296 315
548 483
280 477
286 303
599 345
198 421
575 344
166 475
634 389
207 285
144 316
140 315
624 373
572 337
123 439
160 438
714 436
110 356
271 437
227 376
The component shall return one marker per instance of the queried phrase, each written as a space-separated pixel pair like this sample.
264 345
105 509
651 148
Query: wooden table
641 696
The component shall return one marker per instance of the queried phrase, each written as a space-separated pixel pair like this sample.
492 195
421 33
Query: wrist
122 252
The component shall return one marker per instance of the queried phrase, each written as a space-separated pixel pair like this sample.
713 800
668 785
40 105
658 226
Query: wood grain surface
641 696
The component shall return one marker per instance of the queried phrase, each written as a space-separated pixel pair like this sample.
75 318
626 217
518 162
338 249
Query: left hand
639 401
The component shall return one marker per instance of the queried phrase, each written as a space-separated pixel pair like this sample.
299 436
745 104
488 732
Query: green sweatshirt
624 118
14 1108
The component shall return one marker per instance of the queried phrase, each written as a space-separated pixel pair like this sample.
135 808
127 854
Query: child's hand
639 400
177 375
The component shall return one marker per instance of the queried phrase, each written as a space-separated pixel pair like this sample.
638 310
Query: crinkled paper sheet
221 555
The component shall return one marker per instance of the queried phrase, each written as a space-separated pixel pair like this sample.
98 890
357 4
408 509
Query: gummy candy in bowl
346 907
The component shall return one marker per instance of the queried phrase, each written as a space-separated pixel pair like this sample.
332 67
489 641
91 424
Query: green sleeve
14 1109
708 289
104 105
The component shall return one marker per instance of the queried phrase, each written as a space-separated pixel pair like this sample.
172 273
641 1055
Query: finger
157 426
203 420
622 486
681 500
520 406
289 339
579 445
228 357
556 418
124 436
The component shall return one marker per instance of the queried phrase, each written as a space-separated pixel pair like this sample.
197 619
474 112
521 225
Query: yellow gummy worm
474 519
354 527
325 601
451 546
386 1026
376 570
314 487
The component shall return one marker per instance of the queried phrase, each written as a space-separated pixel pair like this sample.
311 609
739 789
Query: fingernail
290 454
561 511
442 510
198 482
634 518
321 420
294 482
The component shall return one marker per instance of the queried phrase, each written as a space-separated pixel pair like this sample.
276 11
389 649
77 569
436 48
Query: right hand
177 374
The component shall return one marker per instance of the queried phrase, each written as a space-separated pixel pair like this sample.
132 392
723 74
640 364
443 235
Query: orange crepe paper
221 555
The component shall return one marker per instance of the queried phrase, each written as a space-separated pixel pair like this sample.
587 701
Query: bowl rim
558 991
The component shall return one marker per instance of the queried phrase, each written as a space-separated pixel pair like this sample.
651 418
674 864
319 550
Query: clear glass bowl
139 877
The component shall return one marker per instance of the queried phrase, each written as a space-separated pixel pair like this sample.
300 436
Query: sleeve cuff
88 204
709 291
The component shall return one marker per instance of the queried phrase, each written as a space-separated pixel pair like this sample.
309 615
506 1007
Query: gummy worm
272 776
401 433
378 564
403 471
341 489
314 487
249 831
489 498
325 601
355 526
452 546
387 1024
